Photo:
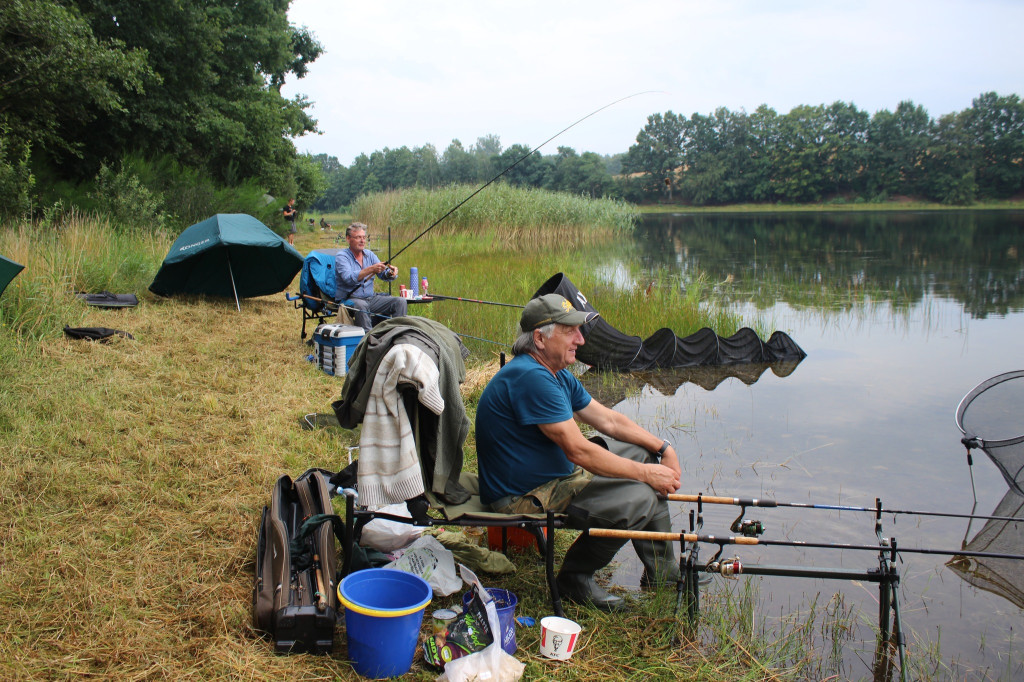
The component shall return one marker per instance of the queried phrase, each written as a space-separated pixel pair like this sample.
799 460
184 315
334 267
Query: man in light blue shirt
354 270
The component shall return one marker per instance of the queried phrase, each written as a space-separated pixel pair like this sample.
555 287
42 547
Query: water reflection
835 259
612 389
1004 577
901 315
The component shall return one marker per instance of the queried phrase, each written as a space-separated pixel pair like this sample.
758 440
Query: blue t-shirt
513 454
346 274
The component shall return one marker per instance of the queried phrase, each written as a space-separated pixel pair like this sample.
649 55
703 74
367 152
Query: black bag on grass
295 600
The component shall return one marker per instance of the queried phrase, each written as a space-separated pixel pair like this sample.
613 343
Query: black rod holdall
294 599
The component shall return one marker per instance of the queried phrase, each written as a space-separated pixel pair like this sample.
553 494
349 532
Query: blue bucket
505 603
383 615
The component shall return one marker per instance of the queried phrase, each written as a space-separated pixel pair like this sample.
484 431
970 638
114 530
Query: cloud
409 73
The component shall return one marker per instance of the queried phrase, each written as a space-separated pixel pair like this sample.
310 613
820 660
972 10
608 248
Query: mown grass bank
134 473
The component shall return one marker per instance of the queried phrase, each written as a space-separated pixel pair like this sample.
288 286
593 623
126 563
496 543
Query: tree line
587 174
810 154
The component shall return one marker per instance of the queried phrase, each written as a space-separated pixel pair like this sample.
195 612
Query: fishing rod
754 502
353 309
745 540
517 162
473 300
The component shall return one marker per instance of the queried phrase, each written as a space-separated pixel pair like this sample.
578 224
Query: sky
407 73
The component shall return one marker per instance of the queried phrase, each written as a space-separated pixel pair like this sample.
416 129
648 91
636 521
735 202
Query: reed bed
508 216
134 473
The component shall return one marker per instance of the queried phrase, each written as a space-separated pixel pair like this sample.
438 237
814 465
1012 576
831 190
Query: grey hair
524 345
355 226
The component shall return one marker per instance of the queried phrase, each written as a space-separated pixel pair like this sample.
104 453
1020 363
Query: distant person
354 270
290 214
324 225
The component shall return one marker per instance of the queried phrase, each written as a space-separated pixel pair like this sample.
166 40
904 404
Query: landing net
991 417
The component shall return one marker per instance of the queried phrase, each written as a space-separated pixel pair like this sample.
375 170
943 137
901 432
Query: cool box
335 344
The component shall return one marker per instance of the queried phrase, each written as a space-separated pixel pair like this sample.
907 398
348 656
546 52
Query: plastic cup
558 637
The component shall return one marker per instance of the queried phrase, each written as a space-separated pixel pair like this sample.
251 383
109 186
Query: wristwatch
664 446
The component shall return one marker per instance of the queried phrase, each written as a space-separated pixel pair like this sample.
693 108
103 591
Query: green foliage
501 207
658 151
59 75
121 195
587 174
16 178
195 83
815 153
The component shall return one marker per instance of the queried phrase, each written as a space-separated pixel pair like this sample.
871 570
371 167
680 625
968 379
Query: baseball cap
552 308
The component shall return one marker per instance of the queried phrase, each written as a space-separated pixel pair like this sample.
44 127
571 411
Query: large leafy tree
458 166
896 147
196 80
56 75
994 127
522 167
658 150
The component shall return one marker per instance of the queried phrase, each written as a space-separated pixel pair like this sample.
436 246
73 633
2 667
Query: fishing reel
727 568
746 527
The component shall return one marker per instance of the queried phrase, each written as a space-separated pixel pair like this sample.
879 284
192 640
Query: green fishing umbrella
230 255
8 271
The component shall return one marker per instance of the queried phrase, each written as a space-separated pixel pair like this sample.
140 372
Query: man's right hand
662 479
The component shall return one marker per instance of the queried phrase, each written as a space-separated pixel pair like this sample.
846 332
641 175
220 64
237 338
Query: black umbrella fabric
229 254
8 271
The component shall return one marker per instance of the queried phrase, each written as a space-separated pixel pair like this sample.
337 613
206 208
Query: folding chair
317 288
435 506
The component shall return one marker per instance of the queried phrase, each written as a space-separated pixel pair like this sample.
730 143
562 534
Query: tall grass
78 254
463 266
509 215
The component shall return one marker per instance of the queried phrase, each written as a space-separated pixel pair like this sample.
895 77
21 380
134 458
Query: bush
129 204
16 179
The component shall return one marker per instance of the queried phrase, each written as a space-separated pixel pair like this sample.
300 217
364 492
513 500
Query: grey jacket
441 438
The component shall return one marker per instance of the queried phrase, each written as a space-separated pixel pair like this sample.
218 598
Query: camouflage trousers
555 495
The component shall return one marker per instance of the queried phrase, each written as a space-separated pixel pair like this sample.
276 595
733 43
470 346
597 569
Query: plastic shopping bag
429 559
388 536
492 663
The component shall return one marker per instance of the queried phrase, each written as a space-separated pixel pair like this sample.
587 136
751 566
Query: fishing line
754 502
518 161
388 317
474 300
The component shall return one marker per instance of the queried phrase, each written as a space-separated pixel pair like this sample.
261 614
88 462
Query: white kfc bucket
558 637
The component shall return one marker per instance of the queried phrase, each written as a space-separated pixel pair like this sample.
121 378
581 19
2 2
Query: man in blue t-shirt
354 270
533 457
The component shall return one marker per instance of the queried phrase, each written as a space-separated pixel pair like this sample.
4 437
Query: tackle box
335 345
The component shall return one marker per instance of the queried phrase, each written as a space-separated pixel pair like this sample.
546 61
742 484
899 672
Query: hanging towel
389 466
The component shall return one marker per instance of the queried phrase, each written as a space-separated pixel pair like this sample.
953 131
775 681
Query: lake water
901 314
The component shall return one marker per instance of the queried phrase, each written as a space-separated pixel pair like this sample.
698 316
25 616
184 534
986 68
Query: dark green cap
552 308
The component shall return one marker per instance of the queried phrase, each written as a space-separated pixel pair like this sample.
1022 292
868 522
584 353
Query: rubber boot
661 567
576 578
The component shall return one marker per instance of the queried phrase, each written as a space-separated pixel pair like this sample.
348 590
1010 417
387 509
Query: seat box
335 344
